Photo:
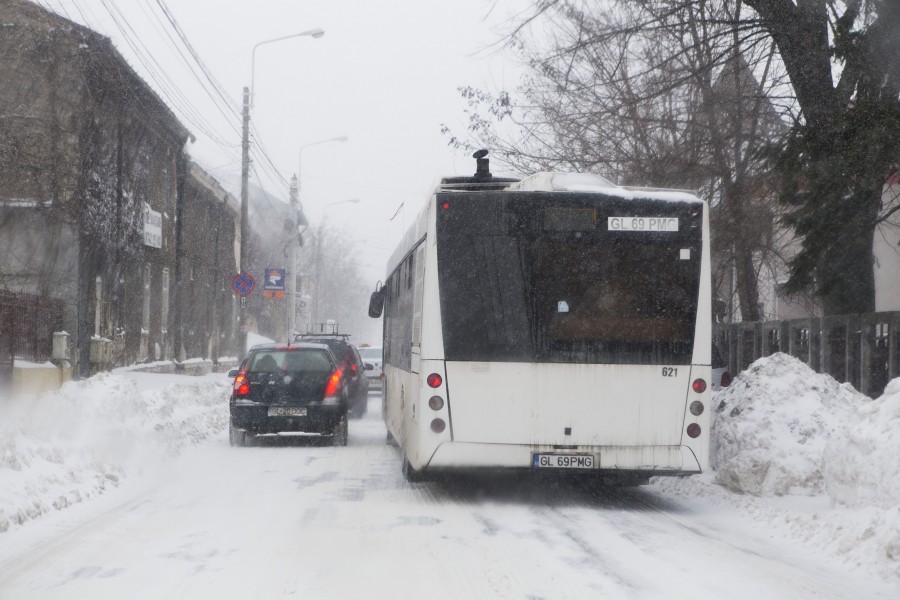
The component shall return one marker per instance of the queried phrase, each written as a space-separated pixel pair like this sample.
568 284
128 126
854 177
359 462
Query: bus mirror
376 303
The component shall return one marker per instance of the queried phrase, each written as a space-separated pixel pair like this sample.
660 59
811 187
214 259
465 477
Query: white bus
557 322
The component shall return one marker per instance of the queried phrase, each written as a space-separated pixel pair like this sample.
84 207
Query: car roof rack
327 328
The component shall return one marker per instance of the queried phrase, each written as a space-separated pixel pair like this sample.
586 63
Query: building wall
774 272
87 146
211 222
887 253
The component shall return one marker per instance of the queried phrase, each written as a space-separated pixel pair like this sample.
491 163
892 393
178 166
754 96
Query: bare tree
831 68
675 94
330 270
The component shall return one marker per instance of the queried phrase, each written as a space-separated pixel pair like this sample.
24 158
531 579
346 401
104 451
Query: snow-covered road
296 518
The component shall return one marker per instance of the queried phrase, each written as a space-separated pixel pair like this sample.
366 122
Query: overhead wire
170 90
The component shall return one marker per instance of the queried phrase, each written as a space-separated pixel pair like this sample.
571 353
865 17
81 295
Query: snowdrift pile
782 428
62 447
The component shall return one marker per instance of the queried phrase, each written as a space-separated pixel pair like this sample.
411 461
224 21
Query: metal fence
863 350
27 323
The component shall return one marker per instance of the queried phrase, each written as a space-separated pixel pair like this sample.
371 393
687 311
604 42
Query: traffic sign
242 284
274 279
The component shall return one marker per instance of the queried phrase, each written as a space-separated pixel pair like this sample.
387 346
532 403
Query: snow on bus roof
588 182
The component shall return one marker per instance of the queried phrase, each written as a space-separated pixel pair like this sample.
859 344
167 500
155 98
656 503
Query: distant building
207 261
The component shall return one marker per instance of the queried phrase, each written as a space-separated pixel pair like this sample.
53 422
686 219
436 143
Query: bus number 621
670 372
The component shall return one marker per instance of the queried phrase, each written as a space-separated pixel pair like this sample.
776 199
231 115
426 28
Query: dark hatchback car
345 354
296 388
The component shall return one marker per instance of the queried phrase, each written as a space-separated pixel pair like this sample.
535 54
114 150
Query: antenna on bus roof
482 166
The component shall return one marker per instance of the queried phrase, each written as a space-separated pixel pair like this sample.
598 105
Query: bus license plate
286 411
563 461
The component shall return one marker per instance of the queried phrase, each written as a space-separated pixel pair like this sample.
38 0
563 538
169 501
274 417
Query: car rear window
292 361
370 353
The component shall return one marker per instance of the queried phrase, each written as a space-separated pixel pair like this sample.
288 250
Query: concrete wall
33 378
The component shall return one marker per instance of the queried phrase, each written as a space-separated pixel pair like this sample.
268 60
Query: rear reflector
693 430
434 380
726 379
438 426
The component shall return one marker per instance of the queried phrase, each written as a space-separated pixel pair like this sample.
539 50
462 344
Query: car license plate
287 411
563 461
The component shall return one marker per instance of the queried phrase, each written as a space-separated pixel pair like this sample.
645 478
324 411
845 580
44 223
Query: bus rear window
566 294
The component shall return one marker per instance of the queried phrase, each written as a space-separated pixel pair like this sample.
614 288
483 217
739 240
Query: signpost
273 285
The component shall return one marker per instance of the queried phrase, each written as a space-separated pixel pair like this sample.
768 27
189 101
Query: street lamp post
294 248
319 258
245 170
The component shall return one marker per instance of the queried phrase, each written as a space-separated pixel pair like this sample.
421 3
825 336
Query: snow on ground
64 447
808 458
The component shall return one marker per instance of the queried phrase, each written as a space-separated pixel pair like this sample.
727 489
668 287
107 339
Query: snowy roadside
807 458
64 447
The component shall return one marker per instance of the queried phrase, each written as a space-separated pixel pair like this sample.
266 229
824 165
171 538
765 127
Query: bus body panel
598 405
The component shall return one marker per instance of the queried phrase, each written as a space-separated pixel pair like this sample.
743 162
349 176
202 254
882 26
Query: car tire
236 437
341 432
390 441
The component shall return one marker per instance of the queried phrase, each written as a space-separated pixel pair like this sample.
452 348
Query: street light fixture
350 201
314 33
245 168
340 138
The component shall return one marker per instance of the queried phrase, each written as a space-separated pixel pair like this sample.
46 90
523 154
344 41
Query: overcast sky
385 74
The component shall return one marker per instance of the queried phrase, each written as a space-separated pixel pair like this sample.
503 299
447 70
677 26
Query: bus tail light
241 385
693 430
435 403
696 408
438 425
699 386
434 380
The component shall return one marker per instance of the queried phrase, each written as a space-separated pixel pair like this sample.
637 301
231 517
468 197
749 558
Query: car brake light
699 386
434 380
726 379
241 385
334 382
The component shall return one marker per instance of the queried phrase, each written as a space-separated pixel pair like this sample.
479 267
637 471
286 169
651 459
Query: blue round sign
242 284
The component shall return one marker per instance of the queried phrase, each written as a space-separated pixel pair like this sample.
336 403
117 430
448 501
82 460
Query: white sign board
152 228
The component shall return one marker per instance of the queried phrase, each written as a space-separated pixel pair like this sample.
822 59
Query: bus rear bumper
654 460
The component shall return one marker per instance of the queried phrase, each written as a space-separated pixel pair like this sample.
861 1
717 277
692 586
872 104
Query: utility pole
291 271
245 218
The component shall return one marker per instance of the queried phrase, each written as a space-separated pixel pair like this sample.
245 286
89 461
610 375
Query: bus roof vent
481 180
482 165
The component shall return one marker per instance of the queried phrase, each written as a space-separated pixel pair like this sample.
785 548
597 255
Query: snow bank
771 427
62 447
811 459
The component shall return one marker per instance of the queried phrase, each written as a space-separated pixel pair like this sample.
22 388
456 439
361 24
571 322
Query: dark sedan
296 388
